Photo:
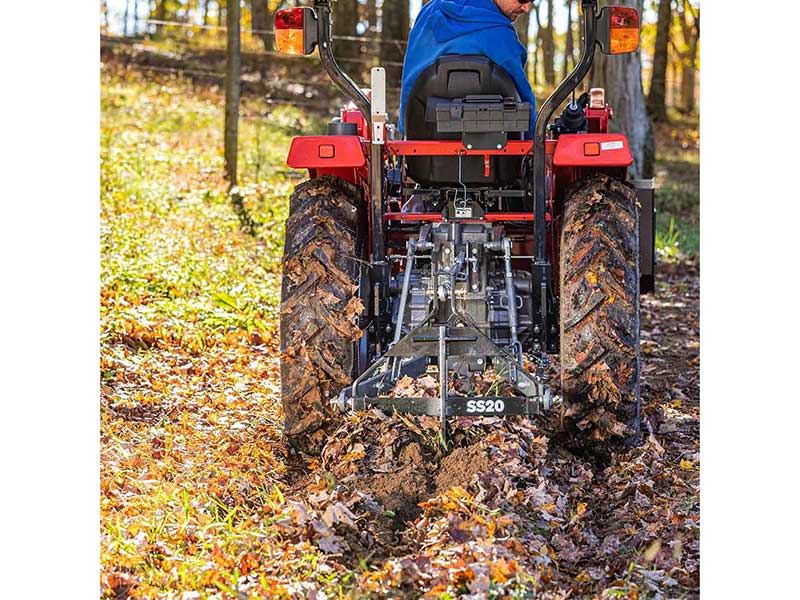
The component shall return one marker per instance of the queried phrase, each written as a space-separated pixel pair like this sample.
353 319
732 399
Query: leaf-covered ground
200 497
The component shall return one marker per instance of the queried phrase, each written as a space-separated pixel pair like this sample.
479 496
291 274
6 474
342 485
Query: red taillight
289 18
622 16
624 29
290 31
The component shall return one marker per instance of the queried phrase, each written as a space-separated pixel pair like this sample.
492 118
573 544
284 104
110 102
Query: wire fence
349 38
249 53
319 104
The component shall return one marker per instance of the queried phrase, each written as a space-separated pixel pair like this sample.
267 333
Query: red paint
437 217
454 148
570 150
486 165
353 115
306 152
599 118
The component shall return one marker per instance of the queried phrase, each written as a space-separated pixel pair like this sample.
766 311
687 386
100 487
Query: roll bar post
541 266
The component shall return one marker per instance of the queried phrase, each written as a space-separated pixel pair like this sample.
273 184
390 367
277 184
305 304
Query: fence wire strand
349 38
144 42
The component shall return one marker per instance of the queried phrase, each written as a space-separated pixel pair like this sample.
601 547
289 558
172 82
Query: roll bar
334 71
543 118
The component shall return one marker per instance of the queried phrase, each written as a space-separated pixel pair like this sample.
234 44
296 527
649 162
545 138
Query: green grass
678 188
189 299
169 226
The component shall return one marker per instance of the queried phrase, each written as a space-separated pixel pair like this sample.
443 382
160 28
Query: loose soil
504 492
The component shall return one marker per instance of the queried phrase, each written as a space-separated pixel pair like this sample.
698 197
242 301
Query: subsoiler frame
457 339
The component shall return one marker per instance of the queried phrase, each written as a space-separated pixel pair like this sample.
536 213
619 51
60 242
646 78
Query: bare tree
259 21
621 76
125 18
549 47
569 45
688 55
161 14
136 17
345 23
394 22
537 42
656 98
522 24
233 68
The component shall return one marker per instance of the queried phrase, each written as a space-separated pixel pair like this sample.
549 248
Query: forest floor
200 496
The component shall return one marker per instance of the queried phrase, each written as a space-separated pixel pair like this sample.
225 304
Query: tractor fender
340 155
592 150
326 151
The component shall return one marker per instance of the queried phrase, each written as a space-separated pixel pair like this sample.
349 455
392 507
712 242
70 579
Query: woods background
200 497
372 32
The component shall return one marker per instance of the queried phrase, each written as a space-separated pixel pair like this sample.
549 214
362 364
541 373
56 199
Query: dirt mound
460 467
400 491
505 509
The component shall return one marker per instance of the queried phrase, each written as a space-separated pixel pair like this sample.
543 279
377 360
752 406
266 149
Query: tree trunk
621 76
537 42
569 46
259 22
549 48
691 38
394 22
233 69
372 17
345 20
522 25
104 12
161 14
125 18
136 17
205 12
657 99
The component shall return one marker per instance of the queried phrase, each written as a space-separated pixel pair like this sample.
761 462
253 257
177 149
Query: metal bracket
444 342
378 110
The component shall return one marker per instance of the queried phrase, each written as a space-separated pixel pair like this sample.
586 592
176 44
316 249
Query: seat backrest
456 76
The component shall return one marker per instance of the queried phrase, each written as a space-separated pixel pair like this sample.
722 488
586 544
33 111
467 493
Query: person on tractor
468 27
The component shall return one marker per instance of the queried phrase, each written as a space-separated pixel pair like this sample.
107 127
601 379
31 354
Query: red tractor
465 246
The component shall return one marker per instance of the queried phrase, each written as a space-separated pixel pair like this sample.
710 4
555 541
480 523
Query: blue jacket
464 27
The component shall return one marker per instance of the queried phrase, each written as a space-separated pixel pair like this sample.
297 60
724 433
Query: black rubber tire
599 304
323 256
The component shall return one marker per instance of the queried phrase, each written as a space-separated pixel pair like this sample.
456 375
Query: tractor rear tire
599 304
320 308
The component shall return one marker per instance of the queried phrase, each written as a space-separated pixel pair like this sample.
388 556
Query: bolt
469 146
474 250
480 361
499 146
475 286
447 250
388 329
536 347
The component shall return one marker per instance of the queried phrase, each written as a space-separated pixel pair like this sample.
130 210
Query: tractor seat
456 77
